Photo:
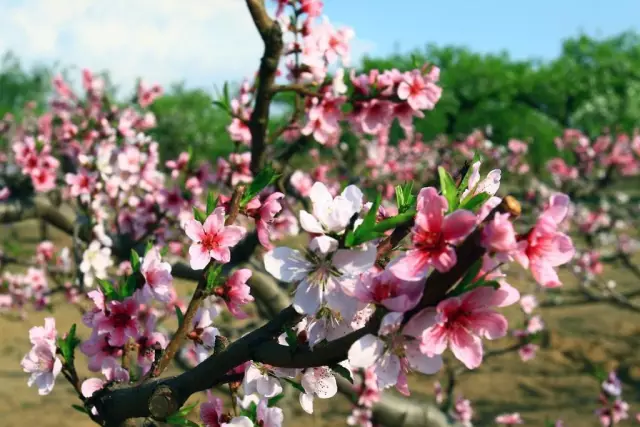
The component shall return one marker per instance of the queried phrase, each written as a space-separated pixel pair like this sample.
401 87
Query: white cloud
203 42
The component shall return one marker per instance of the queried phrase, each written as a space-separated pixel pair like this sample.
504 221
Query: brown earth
555 385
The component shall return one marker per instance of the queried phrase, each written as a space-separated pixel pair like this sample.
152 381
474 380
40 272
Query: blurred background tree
593 85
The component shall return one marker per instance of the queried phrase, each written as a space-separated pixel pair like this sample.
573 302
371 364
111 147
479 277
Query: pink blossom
419 94
157 275
386 289
462 411
301 182
610 416
528 352
45 251
528 303
460 322
391 353
317 382
46 334
4 193
120 322
545 247
265 216
212 239
432 237
211 411
499 236
236 292
509 419
43 365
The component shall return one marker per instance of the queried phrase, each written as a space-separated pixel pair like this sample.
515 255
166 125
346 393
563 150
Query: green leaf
180 316
135 261
262 180
274 400
212 203
68 345
343 372
394 222
291 338
107 289
129 286
212 276
448 188
467 280
365 230
250 412
79 408
475 202
295 385
199 215
186 409
148 247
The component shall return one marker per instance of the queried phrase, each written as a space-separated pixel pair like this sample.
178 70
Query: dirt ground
555 385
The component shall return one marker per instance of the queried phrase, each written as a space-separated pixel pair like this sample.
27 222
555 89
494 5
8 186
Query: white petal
356 261
268 386
354 195
308 298
387 370
364 352
323 245
420 362
286 264
306 401
310 223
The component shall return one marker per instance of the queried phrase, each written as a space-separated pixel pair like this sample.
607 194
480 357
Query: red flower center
429 240
210 242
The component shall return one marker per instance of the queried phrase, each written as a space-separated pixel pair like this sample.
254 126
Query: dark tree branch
271 35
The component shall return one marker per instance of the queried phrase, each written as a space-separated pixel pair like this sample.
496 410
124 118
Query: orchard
333 254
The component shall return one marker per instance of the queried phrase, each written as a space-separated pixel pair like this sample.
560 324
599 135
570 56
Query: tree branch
271 35
36 207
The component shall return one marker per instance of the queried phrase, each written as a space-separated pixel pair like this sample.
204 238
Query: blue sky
523 28
206 42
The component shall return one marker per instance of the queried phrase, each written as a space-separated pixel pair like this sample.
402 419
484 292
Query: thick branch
271 34
36 207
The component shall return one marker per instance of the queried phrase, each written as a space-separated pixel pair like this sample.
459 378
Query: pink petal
220 254
194 230
231 235
365 352
419 361
90 386
214 222
412 265
445 260
488 323
466 347
544 274
458 225
198 257
434 340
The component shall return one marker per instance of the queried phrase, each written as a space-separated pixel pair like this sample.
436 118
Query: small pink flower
120 322
386 289
499 236
509 419
45 252
157 275
528 352
212 239
265 215
43 365
46 334
545 247
433 237
211 411
528 303
460 322
236 292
